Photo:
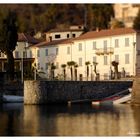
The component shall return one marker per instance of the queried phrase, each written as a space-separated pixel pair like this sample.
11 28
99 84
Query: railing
107 51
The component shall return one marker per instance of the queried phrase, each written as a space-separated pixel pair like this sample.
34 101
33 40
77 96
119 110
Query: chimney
97 29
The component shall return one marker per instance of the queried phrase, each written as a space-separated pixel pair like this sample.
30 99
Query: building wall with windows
126 13
121 45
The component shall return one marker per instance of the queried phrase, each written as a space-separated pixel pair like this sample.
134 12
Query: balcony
106 51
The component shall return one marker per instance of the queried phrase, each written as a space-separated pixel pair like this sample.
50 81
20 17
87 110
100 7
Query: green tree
101 16
116 24
87 64
64 70
115 65
53 67
8 40
136 24
75 71
70 65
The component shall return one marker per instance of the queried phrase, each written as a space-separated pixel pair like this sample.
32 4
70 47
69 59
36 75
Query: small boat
12 99
118 98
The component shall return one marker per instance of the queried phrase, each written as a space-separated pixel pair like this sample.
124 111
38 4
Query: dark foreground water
75 120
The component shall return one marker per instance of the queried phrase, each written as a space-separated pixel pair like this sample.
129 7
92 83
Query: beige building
126 13
61 33
121 45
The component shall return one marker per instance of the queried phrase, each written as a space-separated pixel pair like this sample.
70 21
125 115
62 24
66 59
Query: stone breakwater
136 92
43 92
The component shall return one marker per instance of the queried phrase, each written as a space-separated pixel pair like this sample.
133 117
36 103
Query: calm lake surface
75 120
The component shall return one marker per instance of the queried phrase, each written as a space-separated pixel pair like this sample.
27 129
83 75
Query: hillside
43 17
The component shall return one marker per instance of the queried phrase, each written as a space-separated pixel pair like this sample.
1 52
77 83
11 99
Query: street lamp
22 60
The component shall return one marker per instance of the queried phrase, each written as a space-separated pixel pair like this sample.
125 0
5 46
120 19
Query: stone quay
45 92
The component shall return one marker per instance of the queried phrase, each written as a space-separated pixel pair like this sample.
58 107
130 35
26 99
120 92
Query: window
38 53
73 35
116 43
105 60
24 54
117 58
47 65
68 35
126 42
105 46
80 46
68 50
38 65
80 61
57 36
57 65
30 54
105 43
105 76
46 52
56 51
16 54
94 59
94 45
127 59
1 54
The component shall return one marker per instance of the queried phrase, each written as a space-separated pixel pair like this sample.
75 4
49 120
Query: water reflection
75 120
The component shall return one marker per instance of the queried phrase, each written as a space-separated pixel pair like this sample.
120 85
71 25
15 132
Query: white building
57 34
103 47
126 13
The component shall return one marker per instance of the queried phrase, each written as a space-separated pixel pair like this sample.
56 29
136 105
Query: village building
64 33
23 57
103 47
126 13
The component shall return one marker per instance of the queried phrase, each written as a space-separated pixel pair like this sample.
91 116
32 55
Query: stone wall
42 92
136 92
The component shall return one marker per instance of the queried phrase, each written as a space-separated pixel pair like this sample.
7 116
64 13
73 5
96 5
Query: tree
71 64
95 65
87 64
8 40
115 65
53 67
75 71
116 24
136 24
64 70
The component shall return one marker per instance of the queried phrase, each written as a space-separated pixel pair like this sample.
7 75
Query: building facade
120 45
98 48
126 13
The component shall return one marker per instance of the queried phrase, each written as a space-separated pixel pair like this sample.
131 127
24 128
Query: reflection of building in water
136 116
104 123
37 122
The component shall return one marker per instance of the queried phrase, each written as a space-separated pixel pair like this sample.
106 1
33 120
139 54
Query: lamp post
134 59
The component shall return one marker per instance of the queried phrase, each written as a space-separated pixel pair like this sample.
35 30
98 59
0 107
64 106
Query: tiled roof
105 33
23 37
55 42
64 30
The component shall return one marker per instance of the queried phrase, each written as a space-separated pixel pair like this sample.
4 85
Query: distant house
126 13
57 34
21 52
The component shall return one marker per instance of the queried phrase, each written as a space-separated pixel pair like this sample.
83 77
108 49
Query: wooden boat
12 99
118 98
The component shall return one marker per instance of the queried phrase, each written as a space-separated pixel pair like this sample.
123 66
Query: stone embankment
136 92
43 92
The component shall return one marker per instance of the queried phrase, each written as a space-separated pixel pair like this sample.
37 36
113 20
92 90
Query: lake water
75 120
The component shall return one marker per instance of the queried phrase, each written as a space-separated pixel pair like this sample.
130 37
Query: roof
55 42
23 37
64 30
105 33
